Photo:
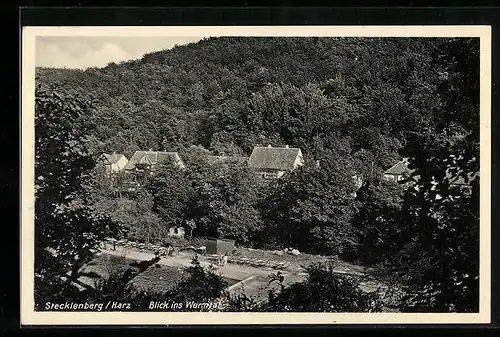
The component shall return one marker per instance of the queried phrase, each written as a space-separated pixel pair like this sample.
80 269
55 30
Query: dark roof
399 168
273 158
221 159
153 157
111 158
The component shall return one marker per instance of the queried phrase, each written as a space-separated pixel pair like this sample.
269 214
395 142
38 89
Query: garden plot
158 278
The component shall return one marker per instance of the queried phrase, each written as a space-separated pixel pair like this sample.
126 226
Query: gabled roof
456 180
111 158
221 159
274 158
399 168
153 157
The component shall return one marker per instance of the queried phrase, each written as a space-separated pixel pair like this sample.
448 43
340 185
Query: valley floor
253 281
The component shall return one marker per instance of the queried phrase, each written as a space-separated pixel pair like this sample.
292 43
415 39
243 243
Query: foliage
311 208
67 228
225 202
172 194
197 285
200 285
323 291
377 222
439 253
276 91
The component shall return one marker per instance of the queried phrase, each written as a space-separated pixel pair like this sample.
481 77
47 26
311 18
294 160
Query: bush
200 285
324 291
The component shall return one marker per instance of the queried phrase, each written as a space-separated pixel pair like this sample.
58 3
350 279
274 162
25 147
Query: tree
377 220
223 145
199 285
172 193
67 229
225 202
311 208
439 252
137 218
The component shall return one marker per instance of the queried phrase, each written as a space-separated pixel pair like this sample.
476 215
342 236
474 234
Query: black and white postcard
256 175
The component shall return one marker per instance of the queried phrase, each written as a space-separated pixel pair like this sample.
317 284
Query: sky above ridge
98 51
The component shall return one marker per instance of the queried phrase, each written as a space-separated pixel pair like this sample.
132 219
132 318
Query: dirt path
183 259
255 280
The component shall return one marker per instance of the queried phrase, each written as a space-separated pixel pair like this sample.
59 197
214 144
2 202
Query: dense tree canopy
67 226
255 91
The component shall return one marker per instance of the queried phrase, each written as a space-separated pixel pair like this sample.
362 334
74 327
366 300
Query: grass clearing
158 278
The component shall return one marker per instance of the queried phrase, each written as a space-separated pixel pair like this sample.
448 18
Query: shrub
323 291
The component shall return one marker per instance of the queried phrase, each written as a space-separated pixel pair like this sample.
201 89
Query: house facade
114 162
273 162
459 182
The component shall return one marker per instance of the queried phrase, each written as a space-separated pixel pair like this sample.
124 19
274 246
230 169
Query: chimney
269 145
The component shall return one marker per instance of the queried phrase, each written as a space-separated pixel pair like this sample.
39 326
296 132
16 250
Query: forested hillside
230 94
353 105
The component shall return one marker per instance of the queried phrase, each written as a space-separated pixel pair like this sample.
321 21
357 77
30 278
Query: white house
114 162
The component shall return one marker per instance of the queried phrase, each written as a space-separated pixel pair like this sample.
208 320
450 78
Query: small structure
114 162
177 232
149 159
358 182
219 246
457 181
398 171
272 162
